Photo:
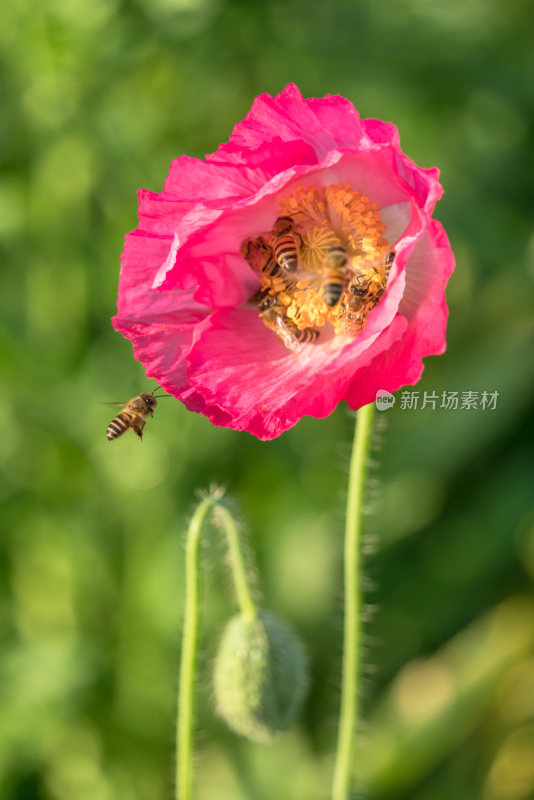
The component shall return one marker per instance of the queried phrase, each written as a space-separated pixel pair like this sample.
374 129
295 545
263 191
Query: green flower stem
345 755
186 687
237 561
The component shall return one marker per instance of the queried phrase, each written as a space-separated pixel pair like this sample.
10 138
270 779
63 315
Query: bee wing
362 266
281 326
287 336
311 280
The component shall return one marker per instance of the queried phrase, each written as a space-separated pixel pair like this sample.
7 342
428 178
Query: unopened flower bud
260 676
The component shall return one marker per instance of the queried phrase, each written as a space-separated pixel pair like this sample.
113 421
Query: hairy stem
186 686
237 561
343 767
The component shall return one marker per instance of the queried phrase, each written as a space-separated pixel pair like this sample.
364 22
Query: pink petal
160 325
239 365
287 115
427 272
423 182
339 117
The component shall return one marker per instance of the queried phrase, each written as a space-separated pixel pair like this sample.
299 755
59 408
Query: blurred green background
97 97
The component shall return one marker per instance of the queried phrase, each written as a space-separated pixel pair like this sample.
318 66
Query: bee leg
137 427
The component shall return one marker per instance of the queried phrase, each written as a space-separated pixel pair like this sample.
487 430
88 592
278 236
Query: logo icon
384 400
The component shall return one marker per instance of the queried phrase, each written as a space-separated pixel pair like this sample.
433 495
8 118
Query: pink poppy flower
254 342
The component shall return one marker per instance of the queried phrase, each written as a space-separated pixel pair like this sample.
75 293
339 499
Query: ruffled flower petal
423 306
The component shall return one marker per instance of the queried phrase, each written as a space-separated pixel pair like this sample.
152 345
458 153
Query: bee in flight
274 316
133 415
286 243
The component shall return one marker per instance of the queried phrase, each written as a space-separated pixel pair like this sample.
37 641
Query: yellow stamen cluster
329 223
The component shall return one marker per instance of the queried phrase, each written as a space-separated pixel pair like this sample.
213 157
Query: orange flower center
324 263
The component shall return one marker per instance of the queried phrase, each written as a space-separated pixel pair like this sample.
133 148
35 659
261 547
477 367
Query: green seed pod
260 676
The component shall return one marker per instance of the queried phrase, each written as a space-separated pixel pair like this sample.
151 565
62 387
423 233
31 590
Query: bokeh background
97 97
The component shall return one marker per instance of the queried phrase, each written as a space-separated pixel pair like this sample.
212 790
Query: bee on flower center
261 258
274 316
370 287
286 243
365 290
328 269
334 275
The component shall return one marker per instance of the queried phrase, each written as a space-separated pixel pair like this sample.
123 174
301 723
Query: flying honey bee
274 316
334 275
286 243
133 415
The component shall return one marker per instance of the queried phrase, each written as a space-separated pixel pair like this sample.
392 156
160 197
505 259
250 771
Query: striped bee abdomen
307 335
334 278
286 252
333 287
117 426
286 243
278 278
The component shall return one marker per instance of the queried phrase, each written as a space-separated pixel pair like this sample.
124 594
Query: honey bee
365 290
274 316
379 281
334 275
262 261
133 415
371 287
286 243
